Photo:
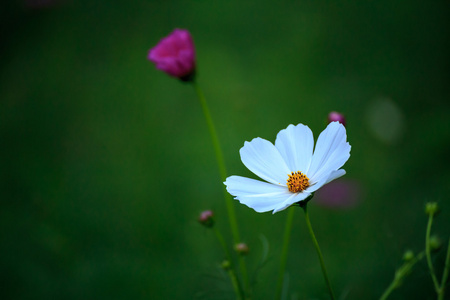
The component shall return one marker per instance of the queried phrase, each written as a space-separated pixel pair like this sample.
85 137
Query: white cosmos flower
290 167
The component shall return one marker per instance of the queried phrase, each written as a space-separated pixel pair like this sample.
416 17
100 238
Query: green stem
389 290
222 242
319 253
428 253
235 284
237 288
284 252
401 273
445 274
223 174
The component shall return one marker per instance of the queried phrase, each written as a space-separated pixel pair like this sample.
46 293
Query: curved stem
223 174
389 290
445 274
428 253
235 284
400 274
319 253
237 288
284 252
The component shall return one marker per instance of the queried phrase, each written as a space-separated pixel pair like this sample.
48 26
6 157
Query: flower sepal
304 202
189 78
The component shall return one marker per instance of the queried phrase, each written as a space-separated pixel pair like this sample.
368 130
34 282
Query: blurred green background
107 162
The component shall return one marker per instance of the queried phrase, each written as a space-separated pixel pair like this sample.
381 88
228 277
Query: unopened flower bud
431 208
226 265
408 255
175 55
435 243
241 248
206 218
336 117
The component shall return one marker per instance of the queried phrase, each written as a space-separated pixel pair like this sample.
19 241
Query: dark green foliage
106 162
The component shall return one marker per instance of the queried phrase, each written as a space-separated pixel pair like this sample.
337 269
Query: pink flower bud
241 248
175 55
336 117
206 218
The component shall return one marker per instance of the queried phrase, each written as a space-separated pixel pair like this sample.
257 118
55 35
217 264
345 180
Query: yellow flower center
297 182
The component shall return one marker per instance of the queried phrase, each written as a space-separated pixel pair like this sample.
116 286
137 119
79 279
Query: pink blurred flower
339 194
335 116
175 55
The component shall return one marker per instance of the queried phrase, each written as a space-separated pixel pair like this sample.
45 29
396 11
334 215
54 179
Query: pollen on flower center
297 182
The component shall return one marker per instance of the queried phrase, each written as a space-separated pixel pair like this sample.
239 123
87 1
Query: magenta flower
336 117
175 55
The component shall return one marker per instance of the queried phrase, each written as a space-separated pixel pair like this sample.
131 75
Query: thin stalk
237 288
428 253
400 274
445 274
235 284
284 252
319 253
389 290
223 174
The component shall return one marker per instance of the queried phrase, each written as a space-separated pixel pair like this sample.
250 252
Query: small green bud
206 218
435 243
226 265
408 255
431 208
241 248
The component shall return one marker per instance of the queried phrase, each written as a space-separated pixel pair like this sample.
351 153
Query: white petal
261 196
326 179
336 160
331 152
263 204
263 159
238 185
295 144
291 200
335 175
